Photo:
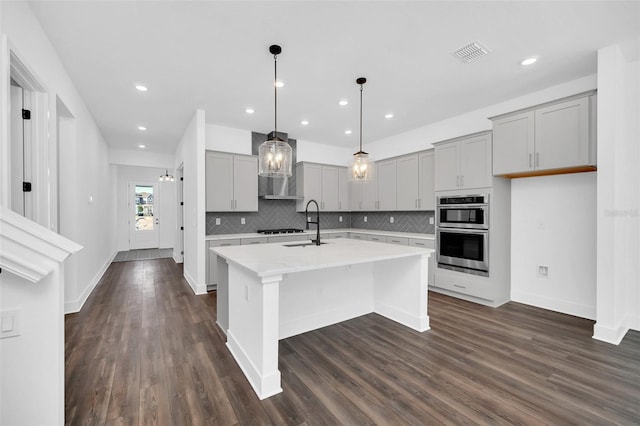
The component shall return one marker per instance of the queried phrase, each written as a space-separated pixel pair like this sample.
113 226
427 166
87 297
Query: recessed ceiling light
142 146
343 102
279 83
388 115
142 128
141 88
304 122
529 61
249 110
347 132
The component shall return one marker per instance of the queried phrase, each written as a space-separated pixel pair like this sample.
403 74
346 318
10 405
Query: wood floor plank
145 350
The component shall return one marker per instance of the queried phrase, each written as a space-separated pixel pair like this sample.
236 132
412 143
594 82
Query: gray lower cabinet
334 235
355 236
377 238
418 242
212 260
289 238
402 241
253 240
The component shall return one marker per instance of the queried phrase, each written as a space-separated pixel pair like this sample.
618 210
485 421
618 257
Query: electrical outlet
11 324
217 221
543 271
431 220
365 219
242 221
391 219
339 218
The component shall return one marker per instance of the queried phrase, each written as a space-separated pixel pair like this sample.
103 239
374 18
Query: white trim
29 250
197 289
557 305
610 335
74 306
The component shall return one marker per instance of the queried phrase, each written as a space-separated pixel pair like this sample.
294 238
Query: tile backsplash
417 222
282 214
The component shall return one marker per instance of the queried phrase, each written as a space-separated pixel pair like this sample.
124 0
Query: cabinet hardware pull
459 286
530 160
419 203
537 159
235 204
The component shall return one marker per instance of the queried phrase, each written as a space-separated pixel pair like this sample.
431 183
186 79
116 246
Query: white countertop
276 258
326 231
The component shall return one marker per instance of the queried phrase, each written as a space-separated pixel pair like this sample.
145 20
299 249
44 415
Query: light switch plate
10 323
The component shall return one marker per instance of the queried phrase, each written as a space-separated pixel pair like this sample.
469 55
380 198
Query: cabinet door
562 135
427 197
219 181
311 183
343 189
330 195
245 184
513 144
475 161
387 185
355 195
369 195
447 166
408 187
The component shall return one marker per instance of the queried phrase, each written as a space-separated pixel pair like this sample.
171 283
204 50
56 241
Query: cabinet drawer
403 241
289 238
459 282
418 242
377 238
335 235
224 243
357 236
256 240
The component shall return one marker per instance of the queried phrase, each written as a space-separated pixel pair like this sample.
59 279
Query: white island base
271 292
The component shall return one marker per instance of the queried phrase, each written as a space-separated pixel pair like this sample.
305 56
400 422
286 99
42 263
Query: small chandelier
166 177
361 169
275 154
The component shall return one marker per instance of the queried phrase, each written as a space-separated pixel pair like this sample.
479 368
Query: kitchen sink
304 244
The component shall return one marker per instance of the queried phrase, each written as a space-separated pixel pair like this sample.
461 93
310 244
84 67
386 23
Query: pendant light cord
361 86
275 95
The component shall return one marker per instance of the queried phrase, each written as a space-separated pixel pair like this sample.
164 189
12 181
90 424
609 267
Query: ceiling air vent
471 52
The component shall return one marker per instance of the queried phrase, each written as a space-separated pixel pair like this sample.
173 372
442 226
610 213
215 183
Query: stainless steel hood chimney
271 188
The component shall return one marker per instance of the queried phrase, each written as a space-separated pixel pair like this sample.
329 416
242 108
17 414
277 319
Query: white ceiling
214 55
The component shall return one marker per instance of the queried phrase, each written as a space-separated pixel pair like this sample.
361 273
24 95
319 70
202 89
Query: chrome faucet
317 222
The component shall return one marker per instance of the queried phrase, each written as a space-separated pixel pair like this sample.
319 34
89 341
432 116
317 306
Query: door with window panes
143 221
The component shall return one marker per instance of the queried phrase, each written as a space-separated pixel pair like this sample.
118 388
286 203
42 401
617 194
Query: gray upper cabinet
463 163
426 172
387 187
408 184
231 182
322 183
558 136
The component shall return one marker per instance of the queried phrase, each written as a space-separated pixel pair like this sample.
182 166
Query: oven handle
456 206
462 230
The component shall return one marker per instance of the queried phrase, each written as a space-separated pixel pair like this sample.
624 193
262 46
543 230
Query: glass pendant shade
166 177
274 158
361 168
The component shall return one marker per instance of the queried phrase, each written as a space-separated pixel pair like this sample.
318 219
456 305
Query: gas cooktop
279 231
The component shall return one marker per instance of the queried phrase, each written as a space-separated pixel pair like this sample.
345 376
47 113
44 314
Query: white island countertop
275 259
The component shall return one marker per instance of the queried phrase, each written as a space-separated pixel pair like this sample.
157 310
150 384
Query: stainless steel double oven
462 233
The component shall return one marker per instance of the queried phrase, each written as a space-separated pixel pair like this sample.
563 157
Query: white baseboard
608 334
556 305
74 306
197 289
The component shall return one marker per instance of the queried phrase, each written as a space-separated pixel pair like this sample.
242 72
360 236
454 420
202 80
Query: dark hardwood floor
145 350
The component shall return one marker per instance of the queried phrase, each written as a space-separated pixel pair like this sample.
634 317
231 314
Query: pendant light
166 177
275 154
361 169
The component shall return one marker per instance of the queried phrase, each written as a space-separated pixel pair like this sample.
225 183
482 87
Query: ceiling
214 55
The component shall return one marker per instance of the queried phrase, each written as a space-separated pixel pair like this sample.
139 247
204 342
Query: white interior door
143 222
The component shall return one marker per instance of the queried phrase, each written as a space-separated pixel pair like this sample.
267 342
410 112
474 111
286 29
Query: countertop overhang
278 259
417 235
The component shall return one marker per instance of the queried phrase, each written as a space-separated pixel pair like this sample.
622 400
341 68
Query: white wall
618 250
165 200
227 139
190 154
325 154
141 157
87 211
553 223
32 364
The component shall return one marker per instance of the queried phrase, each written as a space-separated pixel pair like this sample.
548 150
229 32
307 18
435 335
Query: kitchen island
270 292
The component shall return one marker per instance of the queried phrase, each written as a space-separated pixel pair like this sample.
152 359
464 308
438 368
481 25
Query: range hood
276 188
